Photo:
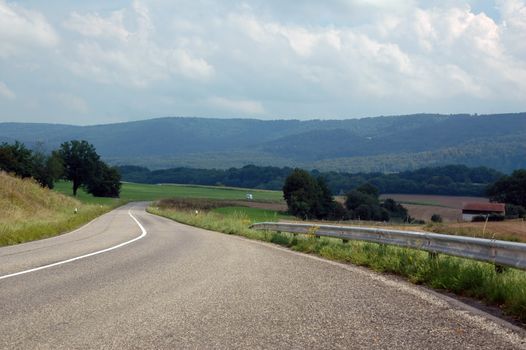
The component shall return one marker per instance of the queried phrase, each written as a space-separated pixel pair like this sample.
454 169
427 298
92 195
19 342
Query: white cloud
5 92
93 25
22 29
272 58
237 106
130 57
71 102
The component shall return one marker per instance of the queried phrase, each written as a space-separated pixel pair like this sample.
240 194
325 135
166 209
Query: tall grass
471 232
461 276
29 212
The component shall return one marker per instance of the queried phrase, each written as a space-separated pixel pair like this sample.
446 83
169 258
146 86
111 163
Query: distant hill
386 144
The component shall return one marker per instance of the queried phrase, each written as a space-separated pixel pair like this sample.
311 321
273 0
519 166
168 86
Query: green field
142 192
253 214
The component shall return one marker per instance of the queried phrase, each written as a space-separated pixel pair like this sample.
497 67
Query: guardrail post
500 268
433 255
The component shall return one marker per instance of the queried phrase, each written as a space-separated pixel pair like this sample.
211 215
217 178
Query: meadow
143 192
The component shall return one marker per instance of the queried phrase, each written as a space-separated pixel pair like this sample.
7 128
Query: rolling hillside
30 212
386 144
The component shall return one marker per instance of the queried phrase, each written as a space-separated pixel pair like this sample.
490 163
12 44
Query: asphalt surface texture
181 287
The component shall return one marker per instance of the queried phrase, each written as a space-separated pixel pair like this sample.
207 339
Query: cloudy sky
99 61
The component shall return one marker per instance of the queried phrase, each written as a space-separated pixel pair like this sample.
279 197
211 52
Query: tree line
308 197
75 161
510 189
445 180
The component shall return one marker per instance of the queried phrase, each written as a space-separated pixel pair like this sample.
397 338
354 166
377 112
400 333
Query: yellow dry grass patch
29 212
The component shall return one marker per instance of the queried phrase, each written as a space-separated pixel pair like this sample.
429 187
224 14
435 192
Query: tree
356 198
363 203
509 189
16 158
310 197
436 218
80 162
46 169
515 211
368 189
324 206
395 210
106 182
301 192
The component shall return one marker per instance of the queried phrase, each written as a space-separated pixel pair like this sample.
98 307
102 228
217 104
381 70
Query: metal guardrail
489 250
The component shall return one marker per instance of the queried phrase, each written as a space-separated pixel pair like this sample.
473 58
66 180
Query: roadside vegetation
75 161
460 276
308 197
30 212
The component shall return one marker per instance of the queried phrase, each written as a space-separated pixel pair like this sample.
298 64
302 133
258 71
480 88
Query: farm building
470 210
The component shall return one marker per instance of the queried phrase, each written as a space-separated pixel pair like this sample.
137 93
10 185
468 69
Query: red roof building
470 210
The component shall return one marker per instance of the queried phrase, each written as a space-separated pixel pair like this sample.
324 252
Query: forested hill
385 144
455 180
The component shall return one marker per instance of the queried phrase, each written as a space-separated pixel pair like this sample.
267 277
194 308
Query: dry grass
512 230
29 212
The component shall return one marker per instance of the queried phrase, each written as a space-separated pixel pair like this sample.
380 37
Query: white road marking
143 234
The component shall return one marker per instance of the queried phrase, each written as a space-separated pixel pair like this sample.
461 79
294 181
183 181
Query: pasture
144 192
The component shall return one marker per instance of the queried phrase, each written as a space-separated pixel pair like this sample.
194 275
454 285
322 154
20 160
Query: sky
99 61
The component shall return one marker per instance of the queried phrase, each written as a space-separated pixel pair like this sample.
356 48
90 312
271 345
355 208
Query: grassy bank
460 276
30 212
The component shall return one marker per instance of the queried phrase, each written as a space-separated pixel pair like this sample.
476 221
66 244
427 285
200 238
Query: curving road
180 287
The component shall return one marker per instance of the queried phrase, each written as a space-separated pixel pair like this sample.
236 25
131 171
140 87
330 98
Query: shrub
309 197
436 218
515 211
491 217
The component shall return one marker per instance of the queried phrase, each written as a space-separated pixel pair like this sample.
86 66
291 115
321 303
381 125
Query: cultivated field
422 207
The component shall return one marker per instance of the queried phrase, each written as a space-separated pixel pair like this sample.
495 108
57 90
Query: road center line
143 234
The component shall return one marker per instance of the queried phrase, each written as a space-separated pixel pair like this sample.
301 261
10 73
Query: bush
509 189
308 197
363 203
515 211
436 218
491 217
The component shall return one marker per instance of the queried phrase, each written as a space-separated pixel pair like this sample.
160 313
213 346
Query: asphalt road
181 287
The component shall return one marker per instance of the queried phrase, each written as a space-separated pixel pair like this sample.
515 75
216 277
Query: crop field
144 192
422 206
